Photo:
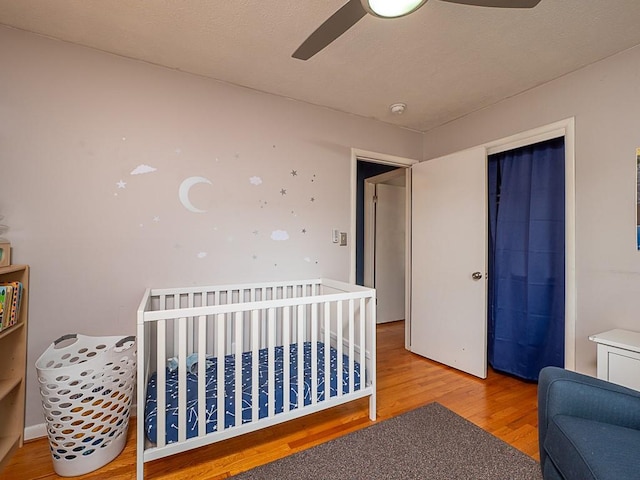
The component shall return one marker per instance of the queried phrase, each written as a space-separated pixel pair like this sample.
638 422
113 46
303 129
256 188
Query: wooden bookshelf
13 357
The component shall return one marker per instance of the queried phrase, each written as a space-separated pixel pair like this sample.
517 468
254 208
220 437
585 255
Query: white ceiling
444 61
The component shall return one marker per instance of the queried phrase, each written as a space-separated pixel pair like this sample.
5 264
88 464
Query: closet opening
526 258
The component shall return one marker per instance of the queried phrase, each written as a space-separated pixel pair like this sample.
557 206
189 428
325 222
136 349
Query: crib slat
172 344
190 325
294 314
327 350
182 379
220 374
286 363
263 323
339 348
163 302
238 368
301 320
314 353
255 363
351 344
363 342
229 333
370 378
202 374
161 382
272 361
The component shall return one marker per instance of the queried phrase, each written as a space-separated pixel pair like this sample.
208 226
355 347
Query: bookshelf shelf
13 357
7 446
10 331
6 386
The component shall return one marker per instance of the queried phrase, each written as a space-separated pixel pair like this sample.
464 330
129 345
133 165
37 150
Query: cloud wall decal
279 235
141 169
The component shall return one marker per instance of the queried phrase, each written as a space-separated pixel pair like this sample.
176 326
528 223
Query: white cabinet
619 357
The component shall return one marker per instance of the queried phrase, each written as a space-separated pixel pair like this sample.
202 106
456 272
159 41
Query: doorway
526 281
365 170
391 162
385 242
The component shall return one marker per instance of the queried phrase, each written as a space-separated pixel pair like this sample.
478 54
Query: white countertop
625 339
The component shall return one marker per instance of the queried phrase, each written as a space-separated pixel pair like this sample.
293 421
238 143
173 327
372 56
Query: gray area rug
430 442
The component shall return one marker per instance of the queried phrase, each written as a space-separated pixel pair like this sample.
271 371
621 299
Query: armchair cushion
588 428
588 450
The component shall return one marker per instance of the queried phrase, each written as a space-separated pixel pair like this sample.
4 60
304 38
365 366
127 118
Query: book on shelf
10 299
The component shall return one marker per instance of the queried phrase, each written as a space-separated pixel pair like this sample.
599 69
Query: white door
384 249
449 258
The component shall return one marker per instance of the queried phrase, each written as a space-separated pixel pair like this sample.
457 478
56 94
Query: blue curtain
526 259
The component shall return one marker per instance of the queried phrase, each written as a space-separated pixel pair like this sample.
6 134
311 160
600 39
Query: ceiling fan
352 11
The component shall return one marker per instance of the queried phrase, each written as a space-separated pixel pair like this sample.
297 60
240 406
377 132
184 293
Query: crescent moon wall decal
183 192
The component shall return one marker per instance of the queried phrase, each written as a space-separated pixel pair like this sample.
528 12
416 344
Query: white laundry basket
87 384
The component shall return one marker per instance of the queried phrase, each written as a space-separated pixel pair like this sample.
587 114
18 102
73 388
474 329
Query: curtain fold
527 259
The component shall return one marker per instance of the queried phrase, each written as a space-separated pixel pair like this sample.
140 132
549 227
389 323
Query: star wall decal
121 184
283 191
294 173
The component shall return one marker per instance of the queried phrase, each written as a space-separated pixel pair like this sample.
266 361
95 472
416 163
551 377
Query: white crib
238 336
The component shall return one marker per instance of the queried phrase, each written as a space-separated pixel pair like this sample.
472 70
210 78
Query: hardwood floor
503 406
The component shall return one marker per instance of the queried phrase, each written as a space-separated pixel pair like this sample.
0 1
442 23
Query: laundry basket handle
130 338
68 336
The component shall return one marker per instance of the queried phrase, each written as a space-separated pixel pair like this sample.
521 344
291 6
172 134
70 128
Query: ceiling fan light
391 8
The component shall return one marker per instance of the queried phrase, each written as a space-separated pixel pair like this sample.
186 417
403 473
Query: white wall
604 99
75 122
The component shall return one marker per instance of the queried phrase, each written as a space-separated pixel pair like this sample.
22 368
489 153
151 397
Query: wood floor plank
500 404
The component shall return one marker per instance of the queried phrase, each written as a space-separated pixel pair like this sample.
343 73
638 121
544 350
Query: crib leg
140 469
372 408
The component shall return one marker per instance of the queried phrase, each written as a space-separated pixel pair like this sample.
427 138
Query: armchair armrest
562 392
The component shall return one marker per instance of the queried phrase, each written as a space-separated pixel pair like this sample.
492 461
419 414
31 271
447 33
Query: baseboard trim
35 431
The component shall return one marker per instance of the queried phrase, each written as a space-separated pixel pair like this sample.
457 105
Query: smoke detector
398 108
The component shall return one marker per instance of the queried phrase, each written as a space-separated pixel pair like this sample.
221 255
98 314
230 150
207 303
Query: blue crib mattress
211 394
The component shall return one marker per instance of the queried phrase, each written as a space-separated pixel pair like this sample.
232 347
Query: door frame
563 128
401 162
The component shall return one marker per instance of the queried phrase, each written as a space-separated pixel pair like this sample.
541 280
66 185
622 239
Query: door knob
476 276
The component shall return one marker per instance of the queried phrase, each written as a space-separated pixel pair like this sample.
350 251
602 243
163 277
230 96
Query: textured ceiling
444 61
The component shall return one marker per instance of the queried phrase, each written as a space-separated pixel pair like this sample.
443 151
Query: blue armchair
588 428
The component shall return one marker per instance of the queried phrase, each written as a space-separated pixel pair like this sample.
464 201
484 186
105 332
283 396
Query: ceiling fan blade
498 3
332 28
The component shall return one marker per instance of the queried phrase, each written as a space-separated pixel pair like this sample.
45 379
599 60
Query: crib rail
236 322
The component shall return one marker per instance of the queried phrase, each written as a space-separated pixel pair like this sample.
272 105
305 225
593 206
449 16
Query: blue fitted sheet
151 408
